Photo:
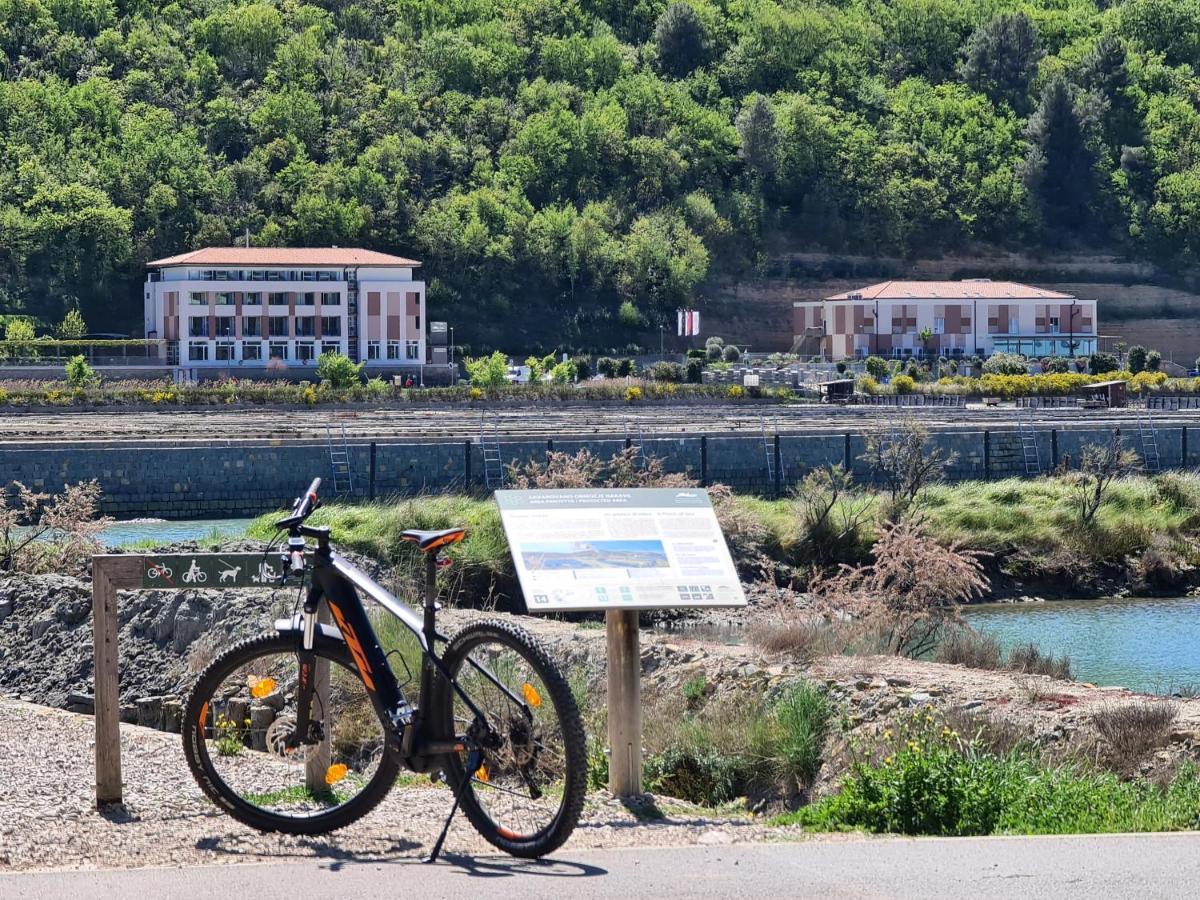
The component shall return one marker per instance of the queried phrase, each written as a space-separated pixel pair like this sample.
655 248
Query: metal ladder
1149 438
493 466
636 440
768 449
339 463
1029 447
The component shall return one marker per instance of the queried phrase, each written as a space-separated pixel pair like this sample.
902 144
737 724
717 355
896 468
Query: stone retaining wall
231 480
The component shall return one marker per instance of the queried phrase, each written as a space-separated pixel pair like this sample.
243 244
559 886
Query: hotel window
278 326
1054 325
251 350
257 275
417 322
305 326
1014 325
277 298
224 350
279 350
304 351
327 276
393 350
373 348
331 326
252 298
276 276
308 298
331 347
224 298
224 327
198 326
198 352
412 349
308 276
252 326
331 298
939 325
198 298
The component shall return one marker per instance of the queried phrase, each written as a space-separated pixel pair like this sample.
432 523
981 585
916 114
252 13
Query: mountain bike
305 729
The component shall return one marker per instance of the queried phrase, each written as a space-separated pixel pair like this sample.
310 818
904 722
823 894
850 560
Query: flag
688 322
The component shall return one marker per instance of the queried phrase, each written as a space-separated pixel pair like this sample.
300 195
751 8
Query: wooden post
109 574
624 703
317 766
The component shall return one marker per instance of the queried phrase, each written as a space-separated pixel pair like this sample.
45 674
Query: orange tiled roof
283 256
952 290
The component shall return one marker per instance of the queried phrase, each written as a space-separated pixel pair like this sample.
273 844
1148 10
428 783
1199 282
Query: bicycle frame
339 582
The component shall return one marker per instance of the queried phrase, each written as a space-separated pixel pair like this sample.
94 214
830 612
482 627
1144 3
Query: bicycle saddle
431 540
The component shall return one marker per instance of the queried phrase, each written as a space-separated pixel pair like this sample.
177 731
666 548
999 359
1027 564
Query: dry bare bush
902 461
1130 731
1099 467
627 468
1029 659
911 590
744 532
50 533
964 646
986 732
830 514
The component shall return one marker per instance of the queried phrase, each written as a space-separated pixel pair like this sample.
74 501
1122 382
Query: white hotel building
248 308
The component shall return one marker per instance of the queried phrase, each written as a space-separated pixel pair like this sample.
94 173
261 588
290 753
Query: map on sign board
637 548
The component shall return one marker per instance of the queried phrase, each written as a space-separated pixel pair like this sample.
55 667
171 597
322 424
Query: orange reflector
336 773
532 697
482 774
261 687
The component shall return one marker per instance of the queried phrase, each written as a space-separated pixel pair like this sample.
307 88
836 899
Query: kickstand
473 761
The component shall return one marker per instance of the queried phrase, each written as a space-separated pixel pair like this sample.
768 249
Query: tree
681 39
79 373
760 141
1135 360
72 326
1059 170
628 315
1099 467
18 330
487 372
1153 361
1099 363
1006 364
877 368
731 354
1002 57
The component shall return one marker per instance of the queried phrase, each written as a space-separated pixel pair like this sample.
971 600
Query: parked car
518 374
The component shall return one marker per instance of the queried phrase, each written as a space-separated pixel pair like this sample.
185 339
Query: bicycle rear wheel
527 794
238 722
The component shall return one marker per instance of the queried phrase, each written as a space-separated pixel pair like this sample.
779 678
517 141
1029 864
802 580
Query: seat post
430 594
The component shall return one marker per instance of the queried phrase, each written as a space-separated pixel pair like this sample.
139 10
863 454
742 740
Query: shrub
1058 366
78 372
583 367
967 647
626 368
562 373
695 371
1006 364
1132 730
668 371
633 394
735 392
339 370
607 366
72 325
713 347
42 533
487 371
694 353
18 330
1135 360
1153 361
802 716
628 315
1029 659
865 384
841 368
877 368
1099 363
377 388
904 384
731 354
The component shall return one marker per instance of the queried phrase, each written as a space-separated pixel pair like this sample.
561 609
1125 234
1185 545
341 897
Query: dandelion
887 735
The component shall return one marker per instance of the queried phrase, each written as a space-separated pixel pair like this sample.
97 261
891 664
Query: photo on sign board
552 555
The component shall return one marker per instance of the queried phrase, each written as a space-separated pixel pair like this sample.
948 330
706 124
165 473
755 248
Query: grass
930 780
965 646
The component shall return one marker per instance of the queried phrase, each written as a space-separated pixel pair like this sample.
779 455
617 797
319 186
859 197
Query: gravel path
48 819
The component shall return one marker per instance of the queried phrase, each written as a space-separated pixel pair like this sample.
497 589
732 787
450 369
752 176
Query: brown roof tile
283 256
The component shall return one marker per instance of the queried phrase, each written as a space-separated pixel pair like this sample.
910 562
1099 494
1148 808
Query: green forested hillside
549 159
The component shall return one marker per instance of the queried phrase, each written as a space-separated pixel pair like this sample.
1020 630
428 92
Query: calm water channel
124 534
1144 644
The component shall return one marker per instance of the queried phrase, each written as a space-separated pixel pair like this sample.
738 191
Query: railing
54 354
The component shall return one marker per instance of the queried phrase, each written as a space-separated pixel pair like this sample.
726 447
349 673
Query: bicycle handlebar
303 506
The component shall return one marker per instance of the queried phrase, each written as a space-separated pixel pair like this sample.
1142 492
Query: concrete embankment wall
246 479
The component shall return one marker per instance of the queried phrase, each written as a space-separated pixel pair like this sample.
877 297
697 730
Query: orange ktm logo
356 650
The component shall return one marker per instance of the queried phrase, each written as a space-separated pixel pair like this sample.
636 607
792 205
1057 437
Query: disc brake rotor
279 733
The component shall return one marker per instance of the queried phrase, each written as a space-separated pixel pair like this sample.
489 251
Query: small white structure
247 308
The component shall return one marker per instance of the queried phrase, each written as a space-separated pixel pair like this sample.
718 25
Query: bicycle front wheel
239 738
526 795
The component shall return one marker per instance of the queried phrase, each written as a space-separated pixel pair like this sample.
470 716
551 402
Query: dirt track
217 425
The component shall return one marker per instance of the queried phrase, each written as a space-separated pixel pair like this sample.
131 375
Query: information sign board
211 570
637 548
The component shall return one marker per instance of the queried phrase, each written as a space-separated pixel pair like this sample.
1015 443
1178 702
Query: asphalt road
1059 868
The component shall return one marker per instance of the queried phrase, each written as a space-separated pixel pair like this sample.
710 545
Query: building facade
247 308
962 318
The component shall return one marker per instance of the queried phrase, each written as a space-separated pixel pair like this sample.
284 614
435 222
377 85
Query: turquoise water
123 534
1143 644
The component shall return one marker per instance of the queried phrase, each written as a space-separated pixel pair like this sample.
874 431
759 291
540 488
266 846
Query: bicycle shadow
337 857
510 867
